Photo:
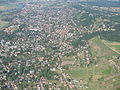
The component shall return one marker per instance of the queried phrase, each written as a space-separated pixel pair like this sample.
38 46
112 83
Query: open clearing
113 45
3 23
6 6
94 76
103 75
100 49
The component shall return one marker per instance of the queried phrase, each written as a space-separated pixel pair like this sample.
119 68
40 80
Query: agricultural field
104 73
79 73
68 60
59 45
100 49
96 77
7 6
113 45
3 23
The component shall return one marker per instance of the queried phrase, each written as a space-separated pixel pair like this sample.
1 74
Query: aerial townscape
59 44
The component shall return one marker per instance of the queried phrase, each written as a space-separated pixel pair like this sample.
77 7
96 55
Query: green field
103 54
94 76
113 45
70 58
3 23
84 73
103 75
7 6
107 71
100 49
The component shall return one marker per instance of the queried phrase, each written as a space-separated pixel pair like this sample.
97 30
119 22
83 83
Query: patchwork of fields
104 75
